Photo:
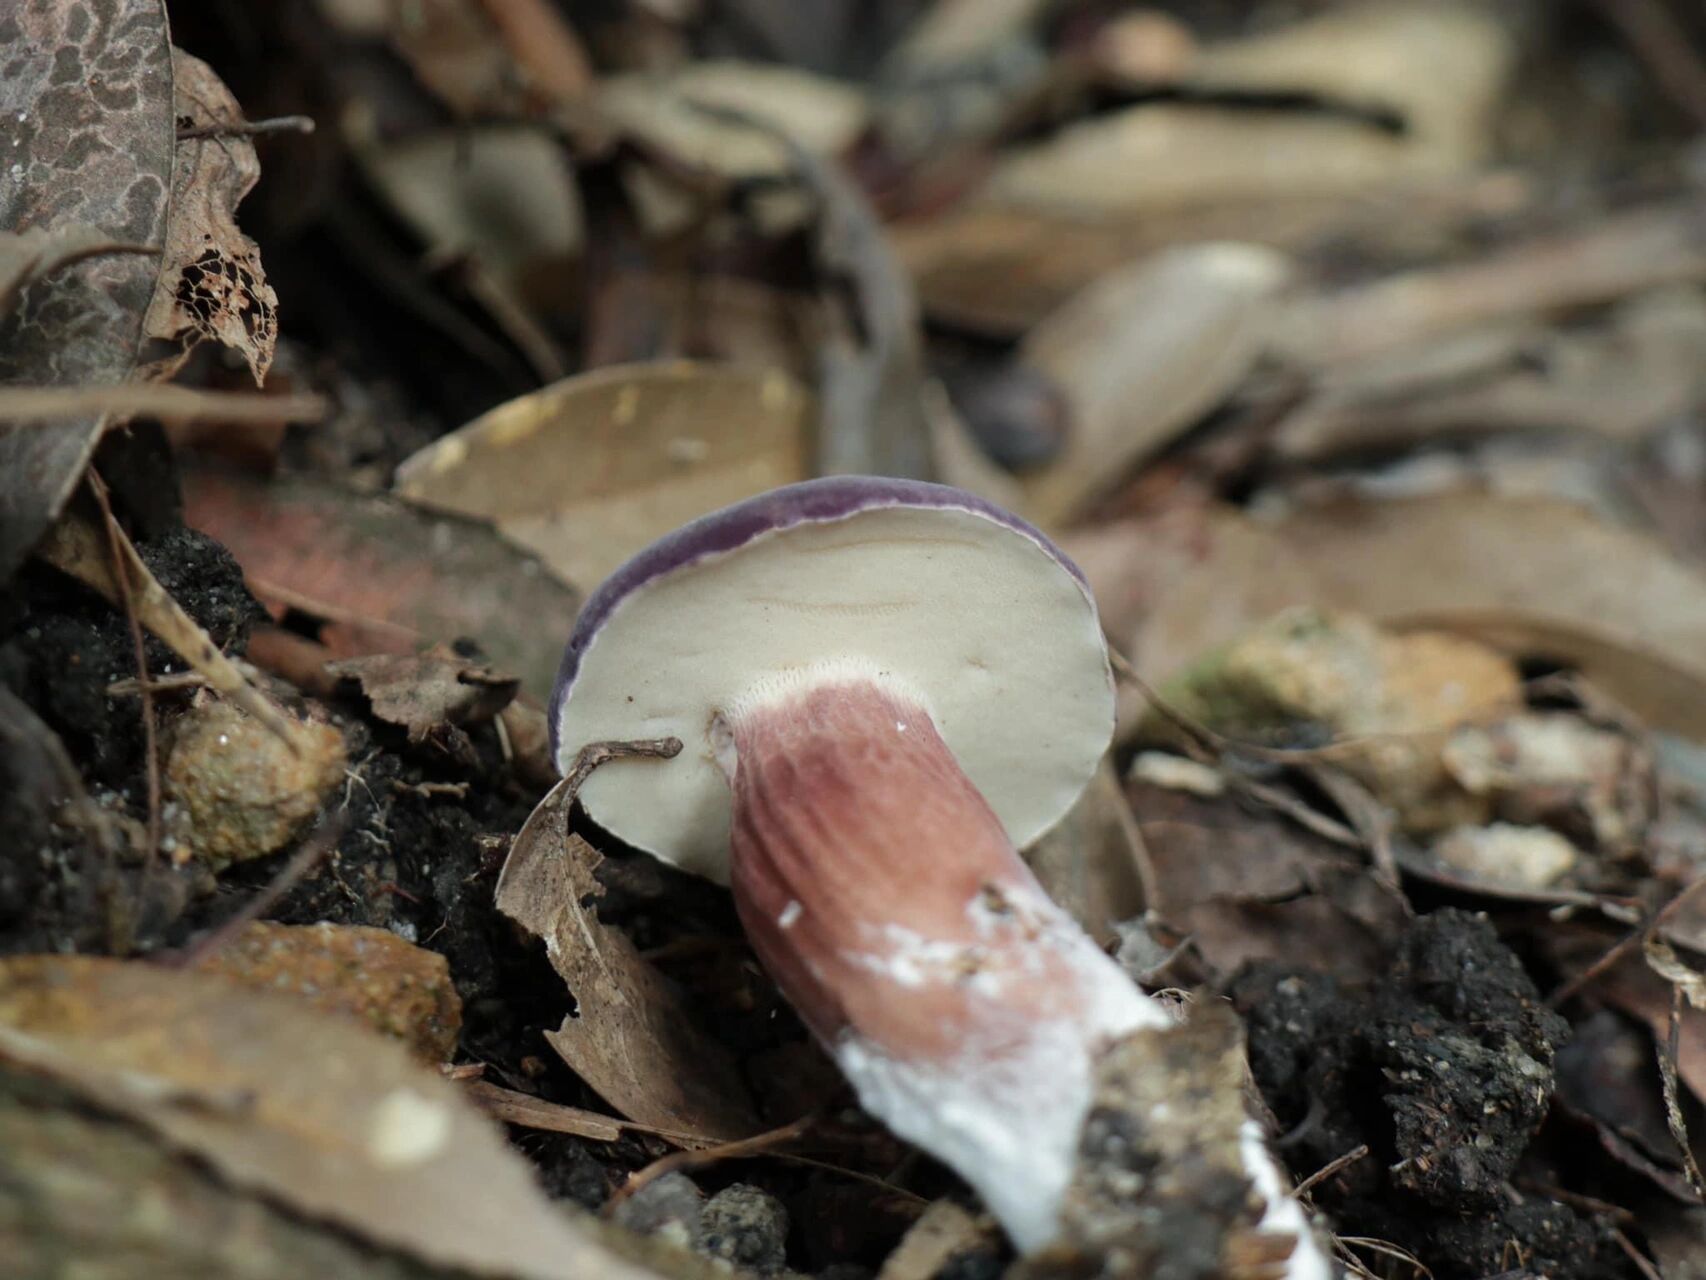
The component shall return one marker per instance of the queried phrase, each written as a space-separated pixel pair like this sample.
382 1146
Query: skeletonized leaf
211 284
78 157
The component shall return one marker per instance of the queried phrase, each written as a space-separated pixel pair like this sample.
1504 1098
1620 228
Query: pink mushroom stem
882 893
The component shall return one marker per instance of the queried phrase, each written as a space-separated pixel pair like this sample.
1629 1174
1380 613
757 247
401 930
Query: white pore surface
1000 643
1308 1261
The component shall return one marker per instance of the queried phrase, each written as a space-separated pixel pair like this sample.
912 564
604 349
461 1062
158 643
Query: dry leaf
1141 355
1618 379
503 193
1544 568
631 1037
83 326
387 578
1615 256
211 284
589 470
822 115
366 1138
1091 861
1440 67
427 693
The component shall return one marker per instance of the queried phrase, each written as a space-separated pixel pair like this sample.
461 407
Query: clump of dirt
62 645
1443 1068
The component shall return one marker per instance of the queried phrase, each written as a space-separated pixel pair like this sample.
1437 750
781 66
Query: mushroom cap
927 589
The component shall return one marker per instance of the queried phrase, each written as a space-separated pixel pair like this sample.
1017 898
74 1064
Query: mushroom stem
968 1010
882 893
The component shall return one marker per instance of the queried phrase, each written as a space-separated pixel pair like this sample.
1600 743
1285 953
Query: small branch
157 400
127 597
249 128
1329 1169
757 1145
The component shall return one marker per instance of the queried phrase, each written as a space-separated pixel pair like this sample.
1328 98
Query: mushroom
885 688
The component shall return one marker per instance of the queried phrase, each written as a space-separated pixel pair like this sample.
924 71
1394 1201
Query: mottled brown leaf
86 97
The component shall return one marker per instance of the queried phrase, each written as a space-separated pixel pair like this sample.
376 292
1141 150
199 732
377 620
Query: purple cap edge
729 528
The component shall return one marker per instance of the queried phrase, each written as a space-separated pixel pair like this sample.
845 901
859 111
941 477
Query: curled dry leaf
82 326
427 693
211 284
588 470
1543 573
384 577
1141 355
631 1037
308 1109
371 975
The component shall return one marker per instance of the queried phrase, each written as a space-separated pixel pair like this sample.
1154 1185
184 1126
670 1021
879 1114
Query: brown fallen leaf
384 576
1092 862
120 188
587 471
1141 355
314 1112
371 975
632 1036
211 285
1615 256
1547 574
1618 379
427 693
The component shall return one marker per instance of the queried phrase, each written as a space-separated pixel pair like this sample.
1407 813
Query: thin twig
157 400
249 128
758 1144
1642 1263
1329 1169
127 597
319 842
1620 950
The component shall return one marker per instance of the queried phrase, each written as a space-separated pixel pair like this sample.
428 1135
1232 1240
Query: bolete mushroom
884 687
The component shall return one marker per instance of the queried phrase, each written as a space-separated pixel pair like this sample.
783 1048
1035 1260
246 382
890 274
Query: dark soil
1444 1070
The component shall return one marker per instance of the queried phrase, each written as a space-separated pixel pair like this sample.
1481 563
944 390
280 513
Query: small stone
747 1227
399 990
669 1207
240 791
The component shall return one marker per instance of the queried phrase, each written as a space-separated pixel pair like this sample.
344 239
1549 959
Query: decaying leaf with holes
211 284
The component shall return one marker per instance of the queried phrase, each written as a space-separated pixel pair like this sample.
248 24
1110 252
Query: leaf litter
1341 349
